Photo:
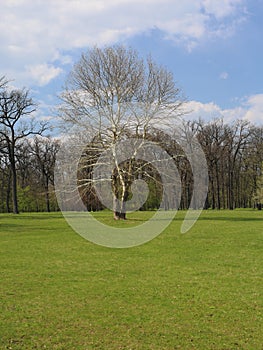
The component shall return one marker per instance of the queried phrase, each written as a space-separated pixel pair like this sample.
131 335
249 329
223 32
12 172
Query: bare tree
3 82
234 158
44 150
212 137
15 106
114 95
5 181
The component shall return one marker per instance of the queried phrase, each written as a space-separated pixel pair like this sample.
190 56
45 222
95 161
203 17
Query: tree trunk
47 195
116 209
213 191
231 190
123 209
218 187
14 177
8 191
119 207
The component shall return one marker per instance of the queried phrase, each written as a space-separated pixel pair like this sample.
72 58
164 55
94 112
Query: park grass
199 290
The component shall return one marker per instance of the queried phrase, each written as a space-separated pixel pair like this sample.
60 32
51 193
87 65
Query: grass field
201 290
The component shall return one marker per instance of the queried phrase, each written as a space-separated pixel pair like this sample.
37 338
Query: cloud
250 108
42 74
41 31
197 110
222 8
223 76
254 106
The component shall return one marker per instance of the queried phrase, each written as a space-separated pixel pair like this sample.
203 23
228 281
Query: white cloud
42 74
223 76
254 105
221 8
40 31
197 110
251 108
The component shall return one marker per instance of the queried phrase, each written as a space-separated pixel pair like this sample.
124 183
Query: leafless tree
16 123
234 157
43 151
115 95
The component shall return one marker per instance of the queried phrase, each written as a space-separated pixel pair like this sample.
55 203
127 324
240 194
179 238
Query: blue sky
213 47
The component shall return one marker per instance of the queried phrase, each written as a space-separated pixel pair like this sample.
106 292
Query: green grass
201 290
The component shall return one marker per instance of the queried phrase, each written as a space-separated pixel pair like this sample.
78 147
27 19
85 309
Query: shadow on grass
227 218
217 215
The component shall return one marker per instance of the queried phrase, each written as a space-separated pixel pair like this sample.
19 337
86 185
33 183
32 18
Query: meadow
199 290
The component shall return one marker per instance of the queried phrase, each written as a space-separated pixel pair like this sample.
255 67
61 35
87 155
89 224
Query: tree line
115 95
234 154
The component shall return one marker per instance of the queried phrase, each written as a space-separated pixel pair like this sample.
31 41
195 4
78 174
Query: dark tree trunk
8 191
231 190
119 207
218 187
47 195
13 172
14 190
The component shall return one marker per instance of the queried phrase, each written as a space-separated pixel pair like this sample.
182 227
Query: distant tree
234 156
258 196
237 140
44 151
212 137
16 123
5 183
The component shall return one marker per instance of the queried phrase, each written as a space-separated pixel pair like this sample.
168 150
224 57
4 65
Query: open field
201 290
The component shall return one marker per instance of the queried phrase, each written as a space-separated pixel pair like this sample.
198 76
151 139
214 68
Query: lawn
199 290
